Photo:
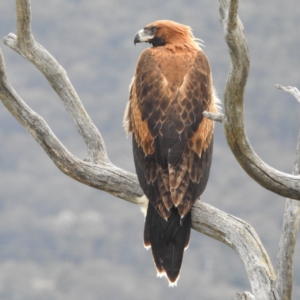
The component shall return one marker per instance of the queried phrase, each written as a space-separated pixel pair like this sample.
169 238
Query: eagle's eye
152 30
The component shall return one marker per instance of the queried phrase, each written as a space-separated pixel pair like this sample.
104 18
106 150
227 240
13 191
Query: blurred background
60 239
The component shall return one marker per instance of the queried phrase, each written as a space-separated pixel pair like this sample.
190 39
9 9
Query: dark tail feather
168 239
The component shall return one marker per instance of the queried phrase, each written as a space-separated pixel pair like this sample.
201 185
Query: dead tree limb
281 183
285 256
106 176
242 238
26 46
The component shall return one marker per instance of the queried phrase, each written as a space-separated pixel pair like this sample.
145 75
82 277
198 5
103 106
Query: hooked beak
143 36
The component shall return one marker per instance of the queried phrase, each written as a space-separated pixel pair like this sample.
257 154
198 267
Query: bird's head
167 33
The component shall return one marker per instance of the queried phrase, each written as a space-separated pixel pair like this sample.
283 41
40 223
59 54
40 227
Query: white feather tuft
161 274
143 204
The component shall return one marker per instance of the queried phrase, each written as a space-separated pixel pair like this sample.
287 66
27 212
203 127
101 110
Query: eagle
172 141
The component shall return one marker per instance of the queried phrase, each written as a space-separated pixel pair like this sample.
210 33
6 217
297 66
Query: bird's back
172 141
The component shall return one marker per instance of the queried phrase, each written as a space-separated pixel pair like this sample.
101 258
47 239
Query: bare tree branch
242 238
26 46
281 183
244 296
215 117
290 89
108 177
285 256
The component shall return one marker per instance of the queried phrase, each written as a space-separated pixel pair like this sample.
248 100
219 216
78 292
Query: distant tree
97 171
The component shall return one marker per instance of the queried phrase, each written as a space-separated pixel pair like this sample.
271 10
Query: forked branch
281 183
106 176
26 46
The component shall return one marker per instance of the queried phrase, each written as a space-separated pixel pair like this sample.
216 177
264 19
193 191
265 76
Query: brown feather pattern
167 97
172 141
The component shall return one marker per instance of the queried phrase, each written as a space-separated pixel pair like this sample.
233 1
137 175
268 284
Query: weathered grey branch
290 89
26 46
106 176
244 296
242 238
281 183
215 117
285 256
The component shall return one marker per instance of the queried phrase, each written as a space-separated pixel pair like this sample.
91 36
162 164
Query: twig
244 296
290 89
215 117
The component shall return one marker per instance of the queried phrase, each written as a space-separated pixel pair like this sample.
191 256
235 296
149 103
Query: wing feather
172 140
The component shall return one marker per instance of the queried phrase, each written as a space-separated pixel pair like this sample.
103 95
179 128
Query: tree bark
281 183
285 256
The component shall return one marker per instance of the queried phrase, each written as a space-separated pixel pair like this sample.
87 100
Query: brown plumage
172 141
